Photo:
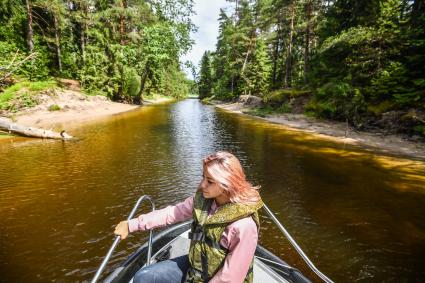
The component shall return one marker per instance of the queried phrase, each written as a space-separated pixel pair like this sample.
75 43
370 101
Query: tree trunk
83 45
83 31
232 86
418 8
245 61
276 56
288 68
307 40
123 5
235 18
30 33
8 126
143 78
57 41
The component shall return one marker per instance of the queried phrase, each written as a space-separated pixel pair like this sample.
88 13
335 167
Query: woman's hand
122 229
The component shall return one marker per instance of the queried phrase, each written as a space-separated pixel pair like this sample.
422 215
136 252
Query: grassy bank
409 121
23 94
5 135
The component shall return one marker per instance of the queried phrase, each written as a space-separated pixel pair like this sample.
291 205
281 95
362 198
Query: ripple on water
358 217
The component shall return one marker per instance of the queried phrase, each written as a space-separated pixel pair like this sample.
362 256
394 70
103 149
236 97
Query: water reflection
359 216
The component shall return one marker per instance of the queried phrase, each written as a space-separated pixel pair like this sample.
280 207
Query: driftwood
8 126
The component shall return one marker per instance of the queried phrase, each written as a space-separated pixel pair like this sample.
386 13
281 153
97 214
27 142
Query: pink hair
226 170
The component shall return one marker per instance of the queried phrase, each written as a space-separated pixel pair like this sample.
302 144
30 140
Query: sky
206 19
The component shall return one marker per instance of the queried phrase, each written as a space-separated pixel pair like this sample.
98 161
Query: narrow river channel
360 217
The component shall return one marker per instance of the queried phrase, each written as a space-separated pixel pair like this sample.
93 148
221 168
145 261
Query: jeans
167 271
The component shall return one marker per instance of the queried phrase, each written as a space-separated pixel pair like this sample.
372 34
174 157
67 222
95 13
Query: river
359 216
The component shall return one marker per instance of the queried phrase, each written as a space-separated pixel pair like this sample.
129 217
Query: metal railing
117 239
295 245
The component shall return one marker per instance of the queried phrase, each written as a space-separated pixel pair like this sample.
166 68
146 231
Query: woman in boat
224 232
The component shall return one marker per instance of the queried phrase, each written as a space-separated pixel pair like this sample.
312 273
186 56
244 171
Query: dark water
360 217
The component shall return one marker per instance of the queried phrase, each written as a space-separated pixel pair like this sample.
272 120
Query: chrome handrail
117 239
295 245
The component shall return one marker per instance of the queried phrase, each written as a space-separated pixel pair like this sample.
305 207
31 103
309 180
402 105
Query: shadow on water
359 216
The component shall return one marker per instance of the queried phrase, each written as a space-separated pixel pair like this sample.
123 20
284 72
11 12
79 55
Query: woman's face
210 189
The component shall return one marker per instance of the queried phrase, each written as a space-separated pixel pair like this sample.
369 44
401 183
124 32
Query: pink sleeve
162 217
241 239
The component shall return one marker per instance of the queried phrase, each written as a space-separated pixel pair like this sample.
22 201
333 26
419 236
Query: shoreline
76 108
335 131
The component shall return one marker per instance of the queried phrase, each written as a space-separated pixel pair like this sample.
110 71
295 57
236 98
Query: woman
224 232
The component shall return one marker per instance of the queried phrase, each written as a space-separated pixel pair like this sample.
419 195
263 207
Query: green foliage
33 69
337 100
5 135
5 97
359 57
23 94
260 112
278 97
174 83
38 68
378 109
205 79
420 130
131 82
392 83
269 110
54 107
93 76
108 46
40 85
284 108
259 71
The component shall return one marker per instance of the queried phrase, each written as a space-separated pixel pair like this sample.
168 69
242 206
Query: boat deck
180 246
174 242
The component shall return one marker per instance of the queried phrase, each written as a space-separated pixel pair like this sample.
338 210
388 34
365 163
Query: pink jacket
240 237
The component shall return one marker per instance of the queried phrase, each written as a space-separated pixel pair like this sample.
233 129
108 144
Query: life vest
206 254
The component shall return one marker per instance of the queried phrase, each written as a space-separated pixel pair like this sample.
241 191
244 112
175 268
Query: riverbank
57 108
336 131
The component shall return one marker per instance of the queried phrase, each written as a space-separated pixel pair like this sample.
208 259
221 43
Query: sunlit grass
23 94
4 135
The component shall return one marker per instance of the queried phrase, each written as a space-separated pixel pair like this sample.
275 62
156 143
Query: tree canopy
121 48
358 59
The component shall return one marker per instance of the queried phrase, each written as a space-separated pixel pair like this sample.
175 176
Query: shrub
23 94
54 107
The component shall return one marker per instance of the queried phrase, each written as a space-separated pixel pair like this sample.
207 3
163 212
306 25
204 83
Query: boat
173 242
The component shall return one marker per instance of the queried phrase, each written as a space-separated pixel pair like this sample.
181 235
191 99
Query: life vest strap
201 237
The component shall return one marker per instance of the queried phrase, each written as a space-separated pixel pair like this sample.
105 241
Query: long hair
226 170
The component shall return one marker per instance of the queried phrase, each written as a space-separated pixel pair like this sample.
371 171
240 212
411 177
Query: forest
356 61
359 61
119 48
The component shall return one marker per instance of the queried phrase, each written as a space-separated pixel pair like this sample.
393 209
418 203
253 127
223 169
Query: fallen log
10 127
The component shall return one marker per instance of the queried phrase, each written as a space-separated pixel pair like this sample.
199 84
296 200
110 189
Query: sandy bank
337 131
73 107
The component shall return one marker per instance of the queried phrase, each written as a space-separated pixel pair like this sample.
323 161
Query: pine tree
205 79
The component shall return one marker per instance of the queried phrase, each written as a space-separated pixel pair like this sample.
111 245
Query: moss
284 108
267 110
420 129
54 107
5 135
277 97
260 112
312 108
280 97
23 94
288 93
4 99
40 86
380 108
